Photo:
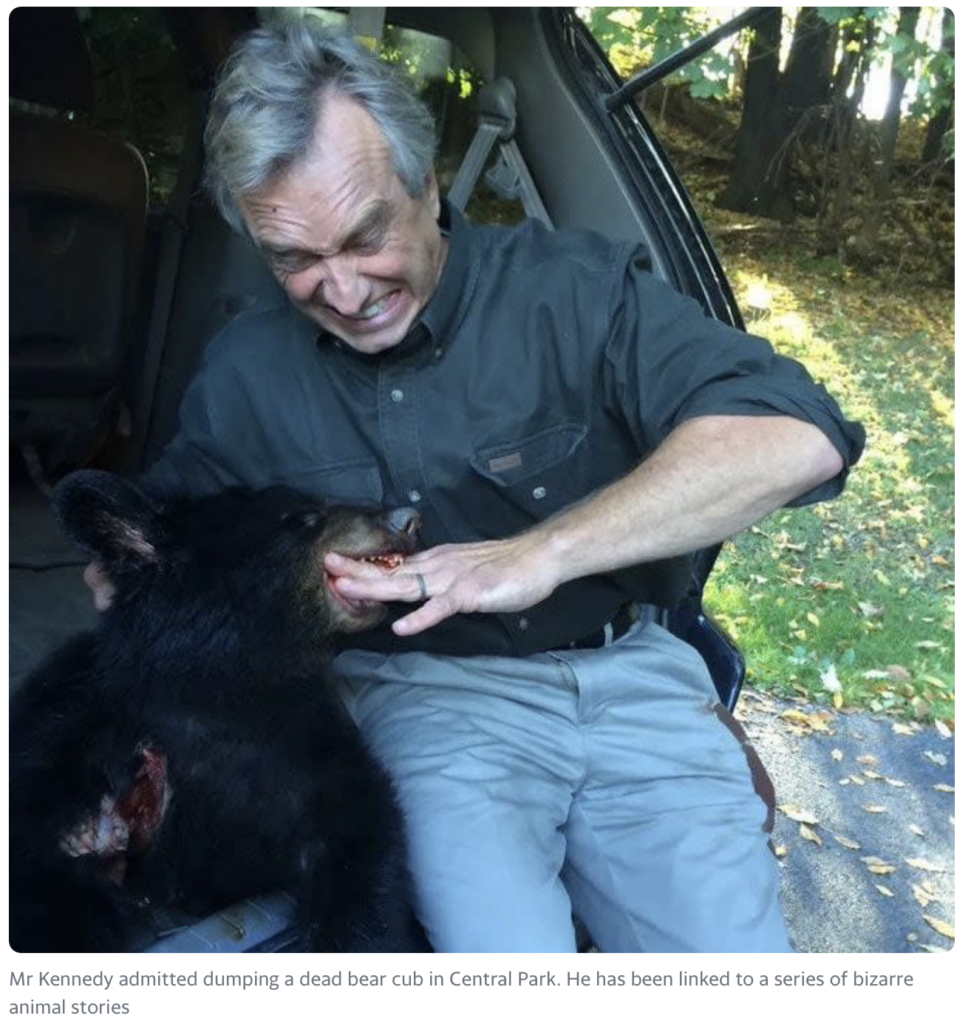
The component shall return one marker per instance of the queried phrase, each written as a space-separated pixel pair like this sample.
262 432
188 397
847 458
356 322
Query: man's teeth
375 309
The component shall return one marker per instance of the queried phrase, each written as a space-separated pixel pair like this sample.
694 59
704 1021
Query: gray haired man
570 429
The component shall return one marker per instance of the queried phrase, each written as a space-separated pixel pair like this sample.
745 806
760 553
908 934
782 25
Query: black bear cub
187 753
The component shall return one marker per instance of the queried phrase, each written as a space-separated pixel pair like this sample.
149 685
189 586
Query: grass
852 602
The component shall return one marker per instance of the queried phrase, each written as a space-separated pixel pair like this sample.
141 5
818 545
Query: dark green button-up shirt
546 365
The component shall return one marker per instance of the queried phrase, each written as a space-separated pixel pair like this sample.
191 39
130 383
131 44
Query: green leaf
833 15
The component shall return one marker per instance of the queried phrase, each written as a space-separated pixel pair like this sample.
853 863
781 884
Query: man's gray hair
265 106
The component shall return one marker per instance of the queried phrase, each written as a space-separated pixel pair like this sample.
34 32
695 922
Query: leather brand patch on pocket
503 463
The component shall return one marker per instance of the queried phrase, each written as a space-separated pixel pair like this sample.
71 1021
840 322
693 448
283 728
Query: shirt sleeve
667 362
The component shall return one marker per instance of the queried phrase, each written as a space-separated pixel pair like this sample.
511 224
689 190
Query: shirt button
414 496
538 493
523 624
396 395
438 353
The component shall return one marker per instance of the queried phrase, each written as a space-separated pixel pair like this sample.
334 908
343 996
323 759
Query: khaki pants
600 781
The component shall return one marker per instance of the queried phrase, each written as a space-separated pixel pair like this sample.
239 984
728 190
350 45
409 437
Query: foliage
637 37
140 87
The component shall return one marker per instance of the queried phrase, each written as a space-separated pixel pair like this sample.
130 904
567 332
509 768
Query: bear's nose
404 520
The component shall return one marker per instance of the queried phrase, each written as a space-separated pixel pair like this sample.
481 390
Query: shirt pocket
349 482
542 473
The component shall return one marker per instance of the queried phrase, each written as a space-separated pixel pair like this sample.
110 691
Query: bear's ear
109 518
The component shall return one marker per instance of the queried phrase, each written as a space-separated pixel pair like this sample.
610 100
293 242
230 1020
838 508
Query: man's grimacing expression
354 252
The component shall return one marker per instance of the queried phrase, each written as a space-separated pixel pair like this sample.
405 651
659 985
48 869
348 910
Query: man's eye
370 243
291 262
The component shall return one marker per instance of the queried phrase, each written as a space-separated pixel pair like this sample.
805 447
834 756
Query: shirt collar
439 318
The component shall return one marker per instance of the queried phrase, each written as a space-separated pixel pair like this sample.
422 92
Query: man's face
353 251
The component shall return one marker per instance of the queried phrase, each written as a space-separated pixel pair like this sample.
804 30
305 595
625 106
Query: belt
615 629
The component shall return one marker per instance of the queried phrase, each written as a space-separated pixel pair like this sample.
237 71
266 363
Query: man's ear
433 194
109 518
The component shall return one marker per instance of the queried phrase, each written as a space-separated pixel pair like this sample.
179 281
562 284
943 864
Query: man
569 428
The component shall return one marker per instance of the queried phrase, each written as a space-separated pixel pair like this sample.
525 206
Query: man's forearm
712 477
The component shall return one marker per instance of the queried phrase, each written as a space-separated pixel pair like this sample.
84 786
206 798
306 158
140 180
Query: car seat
78 202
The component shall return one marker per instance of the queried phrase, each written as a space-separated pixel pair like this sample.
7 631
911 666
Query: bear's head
259 553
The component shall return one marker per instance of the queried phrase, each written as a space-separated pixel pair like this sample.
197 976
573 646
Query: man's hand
491 576
102 588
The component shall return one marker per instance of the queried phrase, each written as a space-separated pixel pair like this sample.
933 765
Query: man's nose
342 286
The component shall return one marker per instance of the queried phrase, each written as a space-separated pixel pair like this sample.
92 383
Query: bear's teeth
388 562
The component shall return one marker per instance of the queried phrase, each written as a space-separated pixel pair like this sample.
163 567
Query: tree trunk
943 120
890 127
774 105
756 143
808 73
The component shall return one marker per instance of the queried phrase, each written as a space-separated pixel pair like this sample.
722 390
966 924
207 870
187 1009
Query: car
119 278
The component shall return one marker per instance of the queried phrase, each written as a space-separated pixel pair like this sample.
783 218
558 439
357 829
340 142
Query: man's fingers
406 586
434 611
102 588
339 565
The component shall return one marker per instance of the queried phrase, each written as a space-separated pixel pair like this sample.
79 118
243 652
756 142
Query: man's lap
605 770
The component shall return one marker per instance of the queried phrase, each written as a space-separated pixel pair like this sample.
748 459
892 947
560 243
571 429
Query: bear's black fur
187 753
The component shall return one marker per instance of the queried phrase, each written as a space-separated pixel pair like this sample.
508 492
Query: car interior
122 271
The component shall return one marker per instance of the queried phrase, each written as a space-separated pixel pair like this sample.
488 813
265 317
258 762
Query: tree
757 139
904 54
778 107
942 66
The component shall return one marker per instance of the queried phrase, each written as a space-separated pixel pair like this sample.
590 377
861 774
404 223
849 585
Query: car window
142 94
449 84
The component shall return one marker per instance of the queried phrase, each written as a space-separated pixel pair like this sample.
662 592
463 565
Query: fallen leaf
810 834
943 729
871 611
820 721
902 730
931 949
941 927
780 851
899 673
923 896
941 561
849 844
868 759
830 680
797 814
818 584
874 808
885 891
837 755
870 774
924 865
938 759
895 782
813 619
857 780
916 830
942 787
878 866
